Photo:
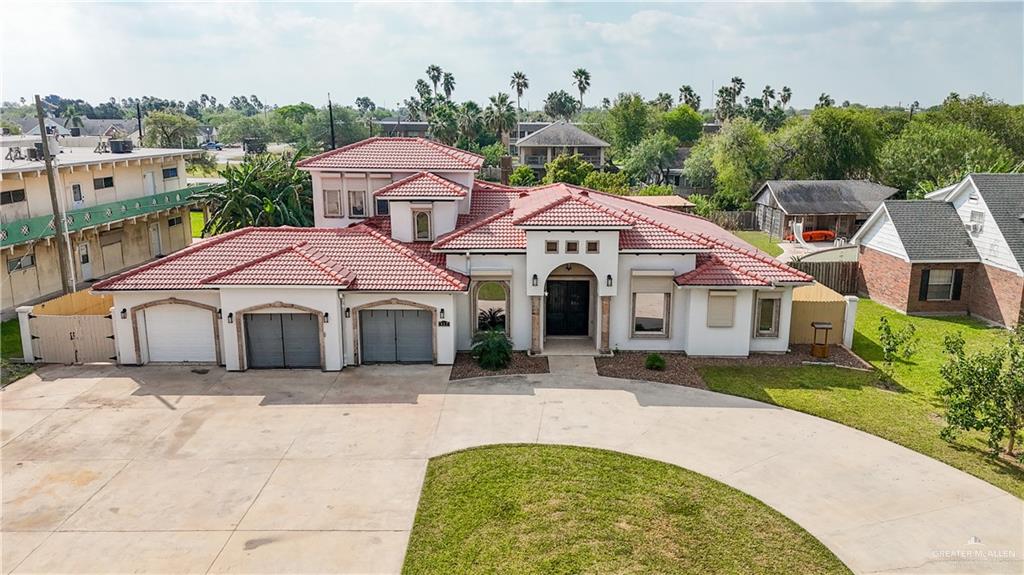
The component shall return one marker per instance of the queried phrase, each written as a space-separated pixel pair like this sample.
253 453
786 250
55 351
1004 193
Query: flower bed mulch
681 369
465 367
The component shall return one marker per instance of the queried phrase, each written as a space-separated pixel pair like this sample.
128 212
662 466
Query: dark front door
568 307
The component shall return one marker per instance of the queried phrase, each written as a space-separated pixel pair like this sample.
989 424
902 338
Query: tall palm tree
767 95
581 78
785 95
434 72
499 115
73 117
470 119
448 84
520 83
689 96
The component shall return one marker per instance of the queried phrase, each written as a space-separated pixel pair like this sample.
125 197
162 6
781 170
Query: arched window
421 222
491 306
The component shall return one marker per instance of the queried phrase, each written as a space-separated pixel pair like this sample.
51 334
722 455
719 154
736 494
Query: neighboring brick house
961 250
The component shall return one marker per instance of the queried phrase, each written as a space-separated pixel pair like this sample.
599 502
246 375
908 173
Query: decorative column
535 336
606 305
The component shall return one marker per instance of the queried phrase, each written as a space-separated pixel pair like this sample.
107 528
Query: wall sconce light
124 313
568 267
608 280
442 313
327 317
534 281
231 318
348 312
219 315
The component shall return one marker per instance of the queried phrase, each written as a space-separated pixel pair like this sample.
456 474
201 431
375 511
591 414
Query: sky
874 53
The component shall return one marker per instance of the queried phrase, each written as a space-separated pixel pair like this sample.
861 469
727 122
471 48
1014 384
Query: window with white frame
940 285
572 247
421 225
15 263
357 203
766 321
332 203
721 308
650 314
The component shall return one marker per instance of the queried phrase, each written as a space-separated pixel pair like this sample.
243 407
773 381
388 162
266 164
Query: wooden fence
815 303
735 220
75 328
839 276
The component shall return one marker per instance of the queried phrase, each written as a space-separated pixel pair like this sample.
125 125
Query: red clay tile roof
713 271
395 154
574 210
250 256
422 185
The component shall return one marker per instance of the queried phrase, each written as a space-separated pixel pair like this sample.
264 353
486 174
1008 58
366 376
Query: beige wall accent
174 301
357 336
535 334
816 303
240 333
606 306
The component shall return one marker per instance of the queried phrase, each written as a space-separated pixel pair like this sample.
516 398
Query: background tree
662 102
470 120
649 160
316 128
245 128
170 130
610 182
448 84
825 101
520 83
656 190
263 190
699 167
522 176
688 96
561 105
984 391
581 79
434 73
741 161
629 119
499 115
568 169
849 143
443 123
683 123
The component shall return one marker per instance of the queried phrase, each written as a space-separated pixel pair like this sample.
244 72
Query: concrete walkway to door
160 469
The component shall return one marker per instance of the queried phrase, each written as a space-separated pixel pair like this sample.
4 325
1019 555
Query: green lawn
548 509
10 346
197 224
761 241
911 415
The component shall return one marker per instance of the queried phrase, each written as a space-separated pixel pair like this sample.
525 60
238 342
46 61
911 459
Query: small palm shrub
654 362
491 318
492 349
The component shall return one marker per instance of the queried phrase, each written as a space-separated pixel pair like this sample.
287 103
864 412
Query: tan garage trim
356 336
240 333
174 301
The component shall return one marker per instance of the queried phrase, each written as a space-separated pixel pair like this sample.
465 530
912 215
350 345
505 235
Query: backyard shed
839 206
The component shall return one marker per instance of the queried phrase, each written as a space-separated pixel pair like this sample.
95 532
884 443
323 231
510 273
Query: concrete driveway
161 470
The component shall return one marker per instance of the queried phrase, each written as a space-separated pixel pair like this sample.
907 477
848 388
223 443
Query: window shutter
721 309
922 292
958 283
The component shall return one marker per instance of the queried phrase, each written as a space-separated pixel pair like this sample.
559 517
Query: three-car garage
282 340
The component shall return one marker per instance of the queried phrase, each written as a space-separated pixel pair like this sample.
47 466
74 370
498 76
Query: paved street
159 469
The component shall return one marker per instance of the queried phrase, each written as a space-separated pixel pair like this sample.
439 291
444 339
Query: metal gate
72 338
396 336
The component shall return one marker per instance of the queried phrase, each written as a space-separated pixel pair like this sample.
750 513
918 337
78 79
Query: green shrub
492 349
654 362
522 176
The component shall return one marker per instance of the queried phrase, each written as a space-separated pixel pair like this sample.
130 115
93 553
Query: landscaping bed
541 509
466 367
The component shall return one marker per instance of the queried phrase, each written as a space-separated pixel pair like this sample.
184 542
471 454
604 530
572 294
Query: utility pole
60 225
138 118
330 115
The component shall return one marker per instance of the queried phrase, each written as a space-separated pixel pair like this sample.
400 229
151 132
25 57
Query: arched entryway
571 310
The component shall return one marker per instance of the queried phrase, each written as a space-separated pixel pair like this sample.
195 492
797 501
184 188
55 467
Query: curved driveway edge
320 472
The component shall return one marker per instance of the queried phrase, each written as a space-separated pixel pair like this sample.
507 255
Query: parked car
211 146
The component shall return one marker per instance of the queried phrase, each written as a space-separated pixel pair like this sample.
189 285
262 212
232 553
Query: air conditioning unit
120 146
973 227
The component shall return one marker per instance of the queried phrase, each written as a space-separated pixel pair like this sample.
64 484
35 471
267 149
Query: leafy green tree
727 104
492 154
898 344
699 167
998 119
629 121
824 101
683 123
926 152
522 176
610 182
470 120
170 130
581 79
448 84
656 190
243 128
561 105
741 160
285 123
984 391
849 143
316 128
689 96
568 169
649 160
443 123
596 122
263 190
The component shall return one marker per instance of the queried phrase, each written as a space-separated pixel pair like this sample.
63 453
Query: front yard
557 509
911 415
10 346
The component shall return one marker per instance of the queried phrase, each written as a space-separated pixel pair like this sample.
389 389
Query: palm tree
785 95
499 115
767 95
581 78
520 83
688 96
448 84
435 73
72 116
470 120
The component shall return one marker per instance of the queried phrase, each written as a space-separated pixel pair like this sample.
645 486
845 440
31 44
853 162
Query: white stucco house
411 255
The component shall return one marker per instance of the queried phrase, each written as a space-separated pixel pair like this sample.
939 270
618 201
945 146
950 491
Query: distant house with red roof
411 256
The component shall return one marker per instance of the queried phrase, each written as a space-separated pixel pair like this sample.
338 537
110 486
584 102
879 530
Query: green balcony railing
31 229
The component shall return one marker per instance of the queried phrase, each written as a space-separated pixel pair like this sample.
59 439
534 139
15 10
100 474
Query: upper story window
170 173
332 203
551 247
572 247
76 193
383 207
593 247
12 197
357 203
100 183
21 263
421 225
175 221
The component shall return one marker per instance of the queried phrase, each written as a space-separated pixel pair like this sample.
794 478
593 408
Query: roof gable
422 185
562 134
828 196
930 230
1003 194
382 153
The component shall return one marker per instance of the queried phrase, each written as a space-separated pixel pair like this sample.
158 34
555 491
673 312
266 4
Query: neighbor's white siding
881 235
989 242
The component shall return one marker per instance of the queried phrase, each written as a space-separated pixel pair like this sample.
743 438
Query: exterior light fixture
442 313
231 318
608 280
327 317
219 315
535 280
568 267
124 313
348 312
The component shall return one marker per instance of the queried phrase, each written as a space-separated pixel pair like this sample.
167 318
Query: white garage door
180 333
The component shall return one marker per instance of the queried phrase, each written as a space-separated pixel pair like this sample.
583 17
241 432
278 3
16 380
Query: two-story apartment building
412 256
121 210
960 250
561 137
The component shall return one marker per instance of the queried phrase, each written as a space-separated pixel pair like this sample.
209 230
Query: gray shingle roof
562 133
931 230
1004 196
829 196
